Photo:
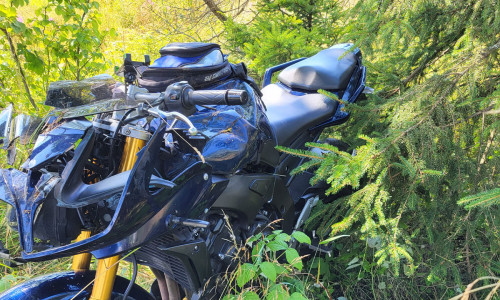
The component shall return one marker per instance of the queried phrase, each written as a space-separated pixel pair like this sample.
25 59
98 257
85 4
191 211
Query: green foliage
8 281
425 140
483 199
274 270
58 42
283 30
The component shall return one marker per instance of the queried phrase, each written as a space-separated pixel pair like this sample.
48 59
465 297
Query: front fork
107 267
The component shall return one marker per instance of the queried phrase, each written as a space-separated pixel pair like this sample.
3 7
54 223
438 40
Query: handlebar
180 99
216 97
147 97
188 97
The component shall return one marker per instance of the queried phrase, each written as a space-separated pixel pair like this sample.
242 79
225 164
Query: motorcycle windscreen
69 93
98 107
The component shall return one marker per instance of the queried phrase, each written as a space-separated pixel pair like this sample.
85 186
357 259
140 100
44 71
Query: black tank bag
200 64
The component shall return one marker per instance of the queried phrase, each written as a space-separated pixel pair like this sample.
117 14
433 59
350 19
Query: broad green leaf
282 237
251 296
277 292
301 237
257 251
246 272
293 258
297 296
268 270
352 266
333 238
18 27
277 245
280 269
253 239
7 281
353 261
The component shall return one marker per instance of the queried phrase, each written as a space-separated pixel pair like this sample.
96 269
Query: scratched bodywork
55 142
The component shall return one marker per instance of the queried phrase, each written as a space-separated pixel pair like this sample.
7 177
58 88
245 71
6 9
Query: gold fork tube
81 262
107 268
129 157
105 278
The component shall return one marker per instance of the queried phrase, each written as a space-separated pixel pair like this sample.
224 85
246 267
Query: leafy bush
272 269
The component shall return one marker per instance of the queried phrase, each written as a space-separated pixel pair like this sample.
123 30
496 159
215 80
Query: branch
20 68
487 111
427 63
215 10
488 145
469 290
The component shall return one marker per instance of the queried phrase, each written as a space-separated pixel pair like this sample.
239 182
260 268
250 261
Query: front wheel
68 285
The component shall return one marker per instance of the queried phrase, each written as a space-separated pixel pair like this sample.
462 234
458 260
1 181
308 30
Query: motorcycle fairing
139 211
231 131
189 199
18 189
68 285
73 193
55 142
247 193
196 260
231 139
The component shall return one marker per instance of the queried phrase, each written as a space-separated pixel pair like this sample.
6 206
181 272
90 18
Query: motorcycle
169 178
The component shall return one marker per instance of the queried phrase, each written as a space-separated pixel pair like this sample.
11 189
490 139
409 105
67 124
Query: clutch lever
168 115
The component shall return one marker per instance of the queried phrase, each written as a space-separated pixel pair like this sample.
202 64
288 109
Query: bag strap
240 71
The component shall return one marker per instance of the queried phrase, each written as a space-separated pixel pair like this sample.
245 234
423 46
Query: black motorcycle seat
322 71
290 114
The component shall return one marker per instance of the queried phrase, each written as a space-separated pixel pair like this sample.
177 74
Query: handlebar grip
146 96
217 97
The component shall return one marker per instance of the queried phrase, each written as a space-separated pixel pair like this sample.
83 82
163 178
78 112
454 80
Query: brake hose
132 280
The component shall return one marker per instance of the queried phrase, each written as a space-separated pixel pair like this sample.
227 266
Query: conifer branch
423 66
482 199
296 152
484 54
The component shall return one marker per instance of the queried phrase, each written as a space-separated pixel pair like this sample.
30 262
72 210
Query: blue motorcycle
170 170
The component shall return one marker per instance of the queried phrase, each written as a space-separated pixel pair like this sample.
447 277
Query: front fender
65 286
